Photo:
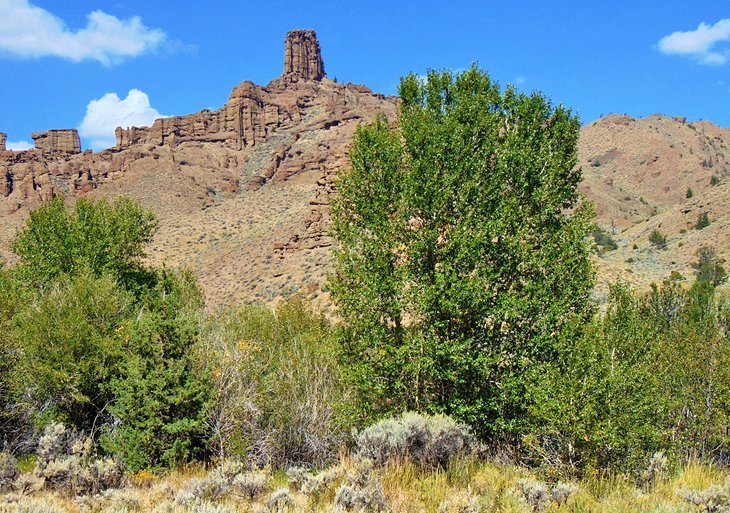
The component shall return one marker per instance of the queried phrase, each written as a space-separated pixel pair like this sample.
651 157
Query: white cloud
108 112
520 80
19 145
700 44
30 31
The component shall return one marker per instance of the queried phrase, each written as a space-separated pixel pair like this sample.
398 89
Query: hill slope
639 174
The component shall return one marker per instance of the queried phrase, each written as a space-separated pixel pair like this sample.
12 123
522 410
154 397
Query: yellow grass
468 486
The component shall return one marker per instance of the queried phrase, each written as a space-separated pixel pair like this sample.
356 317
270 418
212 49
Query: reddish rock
64 141
302 56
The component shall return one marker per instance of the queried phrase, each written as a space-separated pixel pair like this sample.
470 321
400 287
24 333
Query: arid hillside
242 193
656 173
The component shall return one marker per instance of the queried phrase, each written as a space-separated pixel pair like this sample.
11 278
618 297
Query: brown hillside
637 172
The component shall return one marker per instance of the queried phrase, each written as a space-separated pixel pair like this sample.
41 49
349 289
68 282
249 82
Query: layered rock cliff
252 113
64 140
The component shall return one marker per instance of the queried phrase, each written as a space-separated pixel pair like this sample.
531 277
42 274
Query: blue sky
91 64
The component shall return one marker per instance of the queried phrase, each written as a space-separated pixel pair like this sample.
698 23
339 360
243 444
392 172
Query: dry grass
467 486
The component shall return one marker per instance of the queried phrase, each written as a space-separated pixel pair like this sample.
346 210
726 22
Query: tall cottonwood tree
462 249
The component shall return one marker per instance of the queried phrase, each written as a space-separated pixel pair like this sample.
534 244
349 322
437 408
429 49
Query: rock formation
3 140
302 57
242 193
64 140
251 114
248 116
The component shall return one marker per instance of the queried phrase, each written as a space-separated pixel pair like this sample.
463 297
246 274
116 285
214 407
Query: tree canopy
462 248
95 236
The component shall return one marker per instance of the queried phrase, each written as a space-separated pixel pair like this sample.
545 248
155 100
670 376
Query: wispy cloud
19 145
108 112
28 31
705 44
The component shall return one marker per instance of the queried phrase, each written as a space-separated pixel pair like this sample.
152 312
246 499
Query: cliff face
252 113
242 192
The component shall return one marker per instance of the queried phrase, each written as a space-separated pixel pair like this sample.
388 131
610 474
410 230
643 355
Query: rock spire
302 57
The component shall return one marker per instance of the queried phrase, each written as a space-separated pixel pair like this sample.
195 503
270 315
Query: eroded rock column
302 56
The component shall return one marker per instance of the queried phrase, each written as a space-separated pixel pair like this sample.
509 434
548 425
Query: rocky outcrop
252 113
3 140
64 141
248 117
302 56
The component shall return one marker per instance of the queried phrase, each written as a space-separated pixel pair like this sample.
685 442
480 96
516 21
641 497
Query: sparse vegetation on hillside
658 239
603 240
708 267
703 221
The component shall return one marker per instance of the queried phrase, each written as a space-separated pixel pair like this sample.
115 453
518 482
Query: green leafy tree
69 349
97 236
697 377
462 249
160 396
597 405
651 374
102 342
14 419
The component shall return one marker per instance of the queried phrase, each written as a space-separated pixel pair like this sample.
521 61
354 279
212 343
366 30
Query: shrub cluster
64 462
228 479
426 440
8 471
658 239
361 490
539 495
123 352
603 240
280 391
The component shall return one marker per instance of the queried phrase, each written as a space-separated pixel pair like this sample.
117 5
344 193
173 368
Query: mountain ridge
243 192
